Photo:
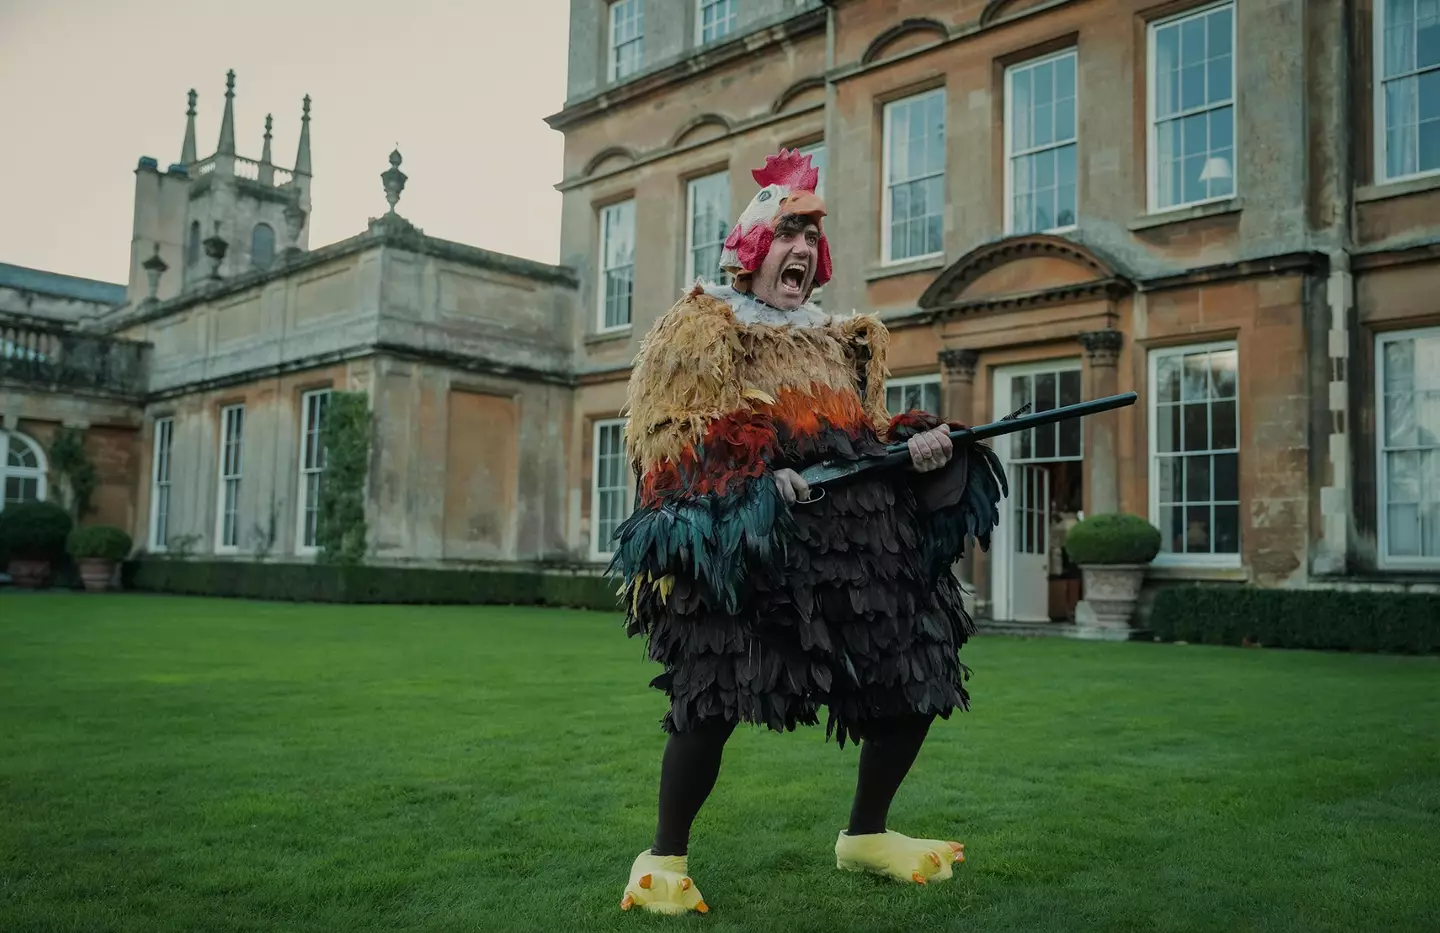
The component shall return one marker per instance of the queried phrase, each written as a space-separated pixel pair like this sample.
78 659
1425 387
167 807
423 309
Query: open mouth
792 278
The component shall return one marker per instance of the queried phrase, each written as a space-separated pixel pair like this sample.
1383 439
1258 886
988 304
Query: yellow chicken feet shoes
661 883
896 856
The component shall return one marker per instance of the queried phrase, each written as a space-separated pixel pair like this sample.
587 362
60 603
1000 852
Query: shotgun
896 455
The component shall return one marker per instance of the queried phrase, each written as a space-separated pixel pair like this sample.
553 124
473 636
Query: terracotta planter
29 574
96 573
1111 593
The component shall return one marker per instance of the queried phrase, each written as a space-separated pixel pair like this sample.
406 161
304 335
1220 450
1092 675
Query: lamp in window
1216 169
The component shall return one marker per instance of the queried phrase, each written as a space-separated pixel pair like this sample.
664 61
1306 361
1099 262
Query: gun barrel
899 454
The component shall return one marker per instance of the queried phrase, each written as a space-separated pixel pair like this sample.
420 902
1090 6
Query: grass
194 765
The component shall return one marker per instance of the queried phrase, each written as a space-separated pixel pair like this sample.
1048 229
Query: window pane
1428 142
1021 109
1172 529
1197 434
1222 426
1223 365
1197 529
1219 33
1403 530
1196 383
1170 479
1197 478
1167 428
1227 477
1226 532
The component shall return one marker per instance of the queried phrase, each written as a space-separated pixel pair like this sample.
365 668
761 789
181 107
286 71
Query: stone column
1102 458
957 385
957 403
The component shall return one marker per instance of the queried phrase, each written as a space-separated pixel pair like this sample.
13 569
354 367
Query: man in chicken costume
763 601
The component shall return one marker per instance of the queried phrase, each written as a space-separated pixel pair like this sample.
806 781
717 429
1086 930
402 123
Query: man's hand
931 450
792 487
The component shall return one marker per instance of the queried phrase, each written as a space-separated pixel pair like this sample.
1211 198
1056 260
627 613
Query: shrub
1114 538
1322 619
341 583
340 525
104 542
33 531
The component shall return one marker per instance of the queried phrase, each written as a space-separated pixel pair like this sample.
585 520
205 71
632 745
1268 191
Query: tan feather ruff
699 363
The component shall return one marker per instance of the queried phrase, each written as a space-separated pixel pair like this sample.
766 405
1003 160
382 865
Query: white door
1020 573
1030 544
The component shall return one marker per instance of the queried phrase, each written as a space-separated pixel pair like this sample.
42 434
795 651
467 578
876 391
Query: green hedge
331 583
1273 618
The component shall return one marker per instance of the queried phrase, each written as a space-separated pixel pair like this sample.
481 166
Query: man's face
788 270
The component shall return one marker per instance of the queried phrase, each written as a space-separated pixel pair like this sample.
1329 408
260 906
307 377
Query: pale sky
89 86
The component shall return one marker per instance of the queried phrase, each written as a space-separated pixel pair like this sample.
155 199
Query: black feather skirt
854 610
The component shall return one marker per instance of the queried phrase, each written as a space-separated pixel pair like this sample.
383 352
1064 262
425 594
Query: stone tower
258 209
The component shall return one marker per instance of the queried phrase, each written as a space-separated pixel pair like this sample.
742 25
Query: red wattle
754 245
822 264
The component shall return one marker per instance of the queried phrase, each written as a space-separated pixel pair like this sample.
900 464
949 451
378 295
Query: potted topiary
32 538
1112 552
97 548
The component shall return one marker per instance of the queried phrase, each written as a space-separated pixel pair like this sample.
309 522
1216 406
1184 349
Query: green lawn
192 765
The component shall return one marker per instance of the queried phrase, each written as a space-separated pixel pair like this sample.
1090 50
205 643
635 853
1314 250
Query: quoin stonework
1232 209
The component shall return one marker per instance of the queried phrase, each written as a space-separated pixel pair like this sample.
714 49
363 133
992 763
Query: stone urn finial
154 268
394 179
294 222
215 247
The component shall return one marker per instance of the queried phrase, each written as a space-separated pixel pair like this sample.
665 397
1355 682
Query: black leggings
692 764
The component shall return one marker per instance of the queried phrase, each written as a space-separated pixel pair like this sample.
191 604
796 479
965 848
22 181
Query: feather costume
762 612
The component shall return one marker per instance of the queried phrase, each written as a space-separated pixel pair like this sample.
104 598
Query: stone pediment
1024 271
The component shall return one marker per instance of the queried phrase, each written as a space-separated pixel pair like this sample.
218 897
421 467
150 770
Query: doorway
1033 579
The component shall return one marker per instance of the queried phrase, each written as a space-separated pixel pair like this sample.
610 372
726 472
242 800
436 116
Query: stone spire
187 151
267 167
302 156
227 122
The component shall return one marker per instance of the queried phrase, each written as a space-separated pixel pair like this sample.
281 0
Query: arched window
262 246
192 246
22 471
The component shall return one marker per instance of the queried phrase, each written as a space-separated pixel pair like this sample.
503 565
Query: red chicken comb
788 168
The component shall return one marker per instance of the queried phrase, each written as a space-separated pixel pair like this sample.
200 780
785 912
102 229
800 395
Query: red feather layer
740 445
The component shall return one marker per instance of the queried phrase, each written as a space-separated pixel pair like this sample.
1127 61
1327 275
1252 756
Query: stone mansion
1230 208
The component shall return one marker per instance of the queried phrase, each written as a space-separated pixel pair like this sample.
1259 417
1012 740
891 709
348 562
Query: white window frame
690 247
1152 144
1382 473
731 21
605 213
223 476
38 473
906 381
1005 391
885 187
161 468
1188 560
596 544
1380 122
612 69
310 402
1011 155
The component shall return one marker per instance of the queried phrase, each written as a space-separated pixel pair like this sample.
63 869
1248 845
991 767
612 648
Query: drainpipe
1337 493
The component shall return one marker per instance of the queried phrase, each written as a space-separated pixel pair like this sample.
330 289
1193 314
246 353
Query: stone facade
1276 258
